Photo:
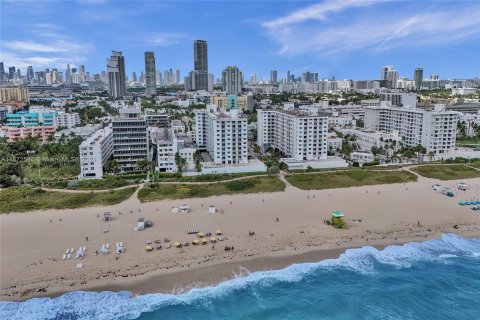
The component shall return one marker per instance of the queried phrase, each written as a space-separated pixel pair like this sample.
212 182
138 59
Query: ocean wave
122 305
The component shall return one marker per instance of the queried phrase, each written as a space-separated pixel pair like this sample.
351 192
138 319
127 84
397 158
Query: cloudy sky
350 39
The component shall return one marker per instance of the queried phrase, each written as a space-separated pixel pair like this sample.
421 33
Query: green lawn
447 172
349 178
20 199
181 191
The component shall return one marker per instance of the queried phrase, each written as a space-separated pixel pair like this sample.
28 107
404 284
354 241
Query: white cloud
32 46
318 12
370 30
165 39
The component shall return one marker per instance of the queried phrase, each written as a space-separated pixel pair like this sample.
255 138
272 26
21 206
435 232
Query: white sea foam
121 305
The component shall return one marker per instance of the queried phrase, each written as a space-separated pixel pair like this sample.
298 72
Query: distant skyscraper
11 73
151 85
232 80
390 76
418 77
200 53
116 75
2 72
199 78
134 76
253 79
288 76
68 75
273 77
30 73
81 71
177 76
158 76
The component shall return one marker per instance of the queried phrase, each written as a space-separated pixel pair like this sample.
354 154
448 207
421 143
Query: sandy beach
32 244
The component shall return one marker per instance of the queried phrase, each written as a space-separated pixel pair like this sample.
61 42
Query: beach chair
68 256
67 251
64 257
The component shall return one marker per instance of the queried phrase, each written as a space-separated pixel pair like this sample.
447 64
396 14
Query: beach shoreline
391 215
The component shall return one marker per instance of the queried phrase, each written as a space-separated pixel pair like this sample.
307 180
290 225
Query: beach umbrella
148 248
201 235
213 239
195 241
462 203
177 244
218 232
204 241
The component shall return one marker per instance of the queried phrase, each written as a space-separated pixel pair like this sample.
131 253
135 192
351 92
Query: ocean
435 279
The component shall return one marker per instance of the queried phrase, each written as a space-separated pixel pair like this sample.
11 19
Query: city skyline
295 36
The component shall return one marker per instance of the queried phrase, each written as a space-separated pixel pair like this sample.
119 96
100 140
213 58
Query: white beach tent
212 209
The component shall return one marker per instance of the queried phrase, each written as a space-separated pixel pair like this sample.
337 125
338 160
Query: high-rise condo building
232 80
223 134
418 78
151 85
130 138
296 134
435 130
116 75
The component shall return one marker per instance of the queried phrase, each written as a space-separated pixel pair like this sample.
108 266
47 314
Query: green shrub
239 185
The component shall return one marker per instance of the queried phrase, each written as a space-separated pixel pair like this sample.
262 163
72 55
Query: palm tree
431 154
180 162
196 158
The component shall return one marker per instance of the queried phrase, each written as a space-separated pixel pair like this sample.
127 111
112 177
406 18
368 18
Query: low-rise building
94 152
67 120
400 99
463 91
244 102
44 132
366 139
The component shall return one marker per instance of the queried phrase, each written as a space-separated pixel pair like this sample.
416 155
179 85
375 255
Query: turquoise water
436 279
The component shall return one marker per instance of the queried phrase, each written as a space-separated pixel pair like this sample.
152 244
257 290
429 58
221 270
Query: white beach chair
68 256
72 250
107 246
67 251
64 257
121 244
84 249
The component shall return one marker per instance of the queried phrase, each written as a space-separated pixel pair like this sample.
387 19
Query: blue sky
350 39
